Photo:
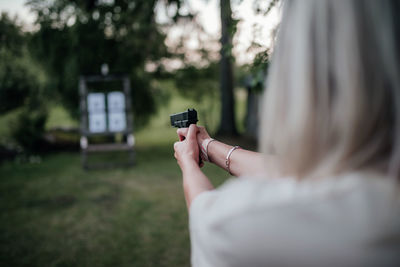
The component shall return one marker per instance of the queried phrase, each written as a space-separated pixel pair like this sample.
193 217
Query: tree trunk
252 114
227 123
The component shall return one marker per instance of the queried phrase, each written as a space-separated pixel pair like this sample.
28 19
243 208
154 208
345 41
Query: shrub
28 129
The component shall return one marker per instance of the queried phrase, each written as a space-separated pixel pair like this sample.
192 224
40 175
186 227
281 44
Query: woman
325 191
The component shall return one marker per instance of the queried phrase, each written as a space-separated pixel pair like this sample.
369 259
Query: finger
176 145
182 132
191 135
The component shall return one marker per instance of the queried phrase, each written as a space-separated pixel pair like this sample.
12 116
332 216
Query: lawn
54 213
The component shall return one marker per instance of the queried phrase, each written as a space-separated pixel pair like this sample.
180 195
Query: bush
28 129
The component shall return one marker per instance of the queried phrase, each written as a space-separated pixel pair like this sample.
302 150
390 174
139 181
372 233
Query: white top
351 220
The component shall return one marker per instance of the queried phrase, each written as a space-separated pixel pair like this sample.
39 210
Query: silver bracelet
204 148
228 158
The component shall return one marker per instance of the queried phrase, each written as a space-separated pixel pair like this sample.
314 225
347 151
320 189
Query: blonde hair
332 101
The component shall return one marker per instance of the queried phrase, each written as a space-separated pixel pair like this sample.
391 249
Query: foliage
77 37
21 79
196 82
22 86
11 36
262 7
28 129
201 85
258 70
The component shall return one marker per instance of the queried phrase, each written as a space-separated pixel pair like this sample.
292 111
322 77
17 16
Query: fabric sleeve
212 213
199 234
251 222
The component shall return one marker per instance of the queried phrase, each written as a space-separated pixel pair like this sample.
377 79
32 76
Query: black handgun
184 119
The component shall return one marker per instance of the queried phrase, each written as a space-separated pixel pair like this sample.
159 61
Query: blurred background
211 55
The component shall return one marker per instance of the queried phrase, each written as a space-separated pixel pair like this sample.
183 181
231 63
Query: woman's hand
187 150
187 155
242 162
202 134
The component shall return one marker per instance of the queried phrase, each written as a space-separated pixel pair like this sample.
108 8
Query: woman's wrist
189 164
204 148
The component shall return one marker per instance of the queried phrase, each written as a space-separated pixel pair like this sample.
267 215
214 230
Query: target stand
106 114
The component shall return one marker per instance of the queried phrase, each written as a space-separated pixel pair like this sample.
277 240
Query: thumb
192 132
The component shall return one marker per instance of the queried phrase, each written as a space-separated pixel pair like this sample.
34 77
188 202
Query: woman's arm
241 161
194 182
187 155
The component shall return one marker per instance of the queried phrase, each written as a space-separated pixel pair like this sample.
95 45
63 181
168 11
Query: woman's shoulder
249 216
248 195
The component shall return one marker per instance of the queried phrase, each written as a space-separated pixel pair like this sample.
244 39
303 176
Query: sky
16 7
251 26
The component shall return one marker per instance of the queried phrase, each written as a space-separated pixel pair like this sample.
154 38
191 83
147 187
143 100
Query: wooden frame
87 148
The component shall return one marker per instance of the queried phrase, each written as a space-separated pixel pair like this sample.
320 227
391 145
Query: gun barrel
184 119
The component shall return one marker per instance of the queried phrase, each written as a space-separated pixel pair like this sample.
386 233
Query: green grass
58 116
6 122
54 213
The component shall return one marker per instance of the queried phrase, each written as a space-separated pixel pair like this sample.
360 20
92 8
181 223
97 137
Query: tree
227 123
77 37
256 73
21 79
22 83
